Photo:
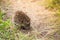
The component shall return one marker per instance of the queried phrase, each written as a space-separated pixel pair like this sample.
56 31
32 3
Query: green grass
6 33
53 3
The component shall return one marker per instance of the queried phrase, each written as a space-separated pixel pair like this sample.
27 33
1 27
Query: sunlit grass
6 33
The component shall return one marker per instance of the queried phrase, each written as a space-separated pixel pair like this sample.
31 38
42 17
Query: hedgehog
22 21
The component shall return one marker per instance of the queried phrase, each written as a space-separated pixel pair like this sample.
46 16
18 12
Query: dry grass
45 22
